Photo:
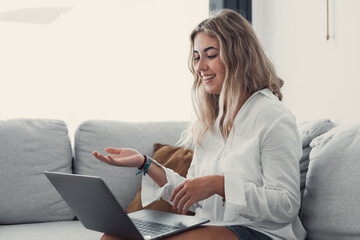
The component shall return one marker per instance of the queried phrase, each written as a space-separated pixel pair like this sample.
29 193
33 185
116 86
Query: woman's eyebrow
206 49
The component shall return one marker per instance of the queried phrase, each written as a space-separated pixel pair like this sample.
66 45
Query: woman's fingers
178 197
106 159
113 161
183 202
98 155
120 157
112 150
191 191
187 206
175 191
101 157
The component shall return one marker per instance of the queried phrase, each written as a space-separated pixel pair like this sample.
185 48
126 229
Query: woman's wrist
142 162
219 185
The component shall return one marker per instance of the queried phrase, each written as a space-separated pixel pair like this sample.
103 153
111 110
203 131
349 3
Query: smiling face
207 63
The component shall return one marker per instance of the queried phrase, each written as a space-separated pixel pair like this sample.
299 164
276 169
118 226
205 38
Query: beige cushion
176 158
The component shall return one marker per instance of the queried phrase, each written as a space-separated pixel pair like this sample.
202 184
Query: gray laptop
97 209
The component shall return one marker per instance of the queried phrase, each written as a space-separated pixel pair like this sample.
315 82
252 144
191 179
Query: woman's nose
201 66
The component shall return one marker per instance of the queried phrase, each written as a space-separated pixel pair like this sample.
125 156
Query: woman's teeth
209 77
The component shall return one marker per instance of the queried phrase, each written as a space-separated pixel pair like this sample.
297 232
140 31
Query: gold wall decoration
327 20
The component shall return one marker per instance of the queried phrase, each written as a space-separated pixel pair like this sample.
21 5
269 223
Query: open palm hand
121 157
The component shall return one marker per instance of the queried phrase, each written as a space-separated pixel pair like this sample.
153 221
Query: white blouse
260 165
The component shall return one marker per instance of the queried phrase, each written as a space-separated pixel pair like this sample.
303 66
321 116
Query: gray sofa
30 208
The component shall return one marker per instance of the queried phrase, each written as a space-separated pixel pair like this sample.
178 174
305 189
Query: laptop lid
97 208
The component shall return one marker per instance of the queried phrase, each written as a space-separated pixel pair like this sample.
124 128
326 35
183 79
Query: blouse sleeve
151 192
277 199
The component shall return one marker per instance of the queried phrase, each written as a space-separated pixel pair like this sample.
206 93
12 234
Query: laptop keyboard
147 228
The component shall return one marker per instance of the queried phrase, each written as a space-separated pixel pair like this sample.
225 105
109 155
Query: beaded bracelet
147 165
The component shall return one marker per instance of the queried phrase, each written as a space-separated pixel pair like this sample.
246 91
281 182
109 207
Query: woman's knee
109 237
205 232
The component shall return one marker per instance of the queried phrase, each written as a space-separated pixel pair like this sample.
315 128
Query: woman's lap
200 233
213 232
221 232
244 233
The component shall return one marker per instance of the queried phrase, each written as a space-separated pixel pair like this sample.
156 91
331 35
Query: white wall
74 64
97 59
322 78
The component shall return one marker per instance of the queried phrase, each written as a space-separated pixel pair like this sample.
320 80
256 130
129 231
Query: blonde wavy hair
248 70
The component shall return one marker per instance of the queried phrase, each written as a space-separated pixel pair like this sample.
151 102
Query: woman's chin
212 90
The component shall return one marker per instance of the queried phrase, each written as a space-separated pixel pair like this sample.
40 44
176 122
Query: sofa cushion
175 158
308 131
99 134
330 208
313 128
28 147
61 230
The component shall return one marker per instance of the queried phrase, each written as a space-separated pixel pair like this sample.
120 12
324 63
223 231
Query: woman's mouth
208 77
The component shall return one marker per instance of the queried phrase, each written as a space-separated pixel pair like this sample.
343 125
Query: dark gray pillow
27 148
330 208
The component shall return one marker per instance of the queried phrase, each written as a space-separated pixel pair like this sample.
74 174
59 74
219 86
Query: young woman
244 175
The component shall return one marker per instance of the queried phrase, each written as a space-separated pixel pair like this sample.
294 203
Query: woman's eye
212 56
196 59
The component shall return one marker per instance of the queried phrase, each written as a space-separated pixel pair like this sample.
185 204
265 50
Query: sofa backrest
28 147
99 134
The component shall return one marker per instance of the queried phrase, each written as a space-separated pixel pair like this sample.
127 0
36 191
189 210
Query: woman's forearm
157 174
